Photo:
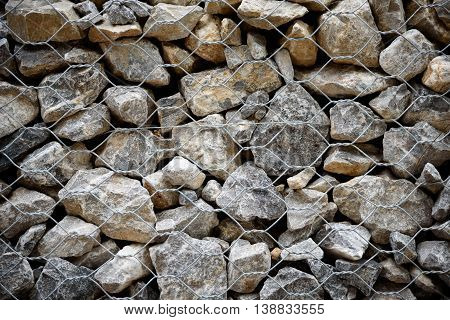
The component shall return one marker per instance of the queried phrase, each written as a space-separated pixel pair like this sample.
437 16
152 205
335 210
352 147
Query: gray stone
241 130
172 111
323 184
187 197
291 284
237 55
248 193
430 179
106 32
281 148
20 106
229 30
211 191
284 63
257 44
98 256
434 255
7 62
255 103
389 15
343 240
315 5
188 268
437 74
247 265
352 121
304 250
253 231
143 63
404 247
120 206
362 274
392 291
133 105
424 282
5 189
441 208
441 230
392 102
222 243
301 179
354 160
131 263
182 172
118 13
168 22
89 14
24 209
408 55
82 55
64 94
71 237
384 205
16 276
163 194
85 124
29 239
393 272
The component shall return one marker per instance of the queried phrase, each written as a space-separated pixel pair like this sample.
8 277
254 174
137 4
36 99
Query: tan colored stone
303 50
437 74
352 161
106 32
182 60
222 6
163 194
230 32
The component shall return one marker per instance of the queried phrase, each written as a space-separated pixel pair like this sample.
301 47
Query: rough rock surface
183 62
437 74
172 111
106 32
182 172
430 179
162 193
301 44
392 102
29 239
303 250
301 179
211 190
352 160
434 255
404 247
16 276
441 208
389 15
98 256
362 274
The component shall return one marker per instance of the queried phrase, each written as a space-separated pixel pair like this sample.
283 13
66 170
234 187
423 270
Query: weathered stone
300 44
61 280
56 20
207 144
393 272
404 247
430 179
248 193
163 194
323 184
441 230
423 281
5 189
241 130
7 62
434 255
408 149
16 276
271 138
349 35
71 237
391 291
247 265
306 249
134 105
437 74
196 220
89 14
85 124
352 160
187 197
189 268
106 32
182 172
253 231
384 205
362 274
229 31
389 15
53 164
237 55
133 152
205 39
183 62
257 44
139 8
119 13
284 63
221 6
315 5
339 81
19 106
24 209
120 206
82 55
301 179
63 94
169 22
441 208
269 14
29 239
98 256
136 60
407 56
211 190
352 121
291 284
129 264
392 102
254 104
172 111
343 240
37 61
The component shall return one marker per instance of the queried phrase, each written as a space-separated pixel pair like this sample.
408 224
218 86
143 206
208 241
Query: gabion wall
224 149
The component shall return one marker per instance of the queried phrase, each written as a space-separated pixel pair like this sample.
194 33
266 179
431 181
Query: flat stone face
163 194
230 32
98 256
16 276
182 60
302 250
137 60
206 276
364 200
37 61
172 111
120 206
353 160
182 172
257 44
363 275
430 179
437 74
284 146
248 193
7 62
392 102
404 247
302 48
29 239
393 272
389 15
106 32
434 255
441 208
291 284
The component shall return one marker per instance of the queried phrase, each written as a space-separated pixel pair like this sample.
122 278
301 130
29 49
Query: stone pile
224 149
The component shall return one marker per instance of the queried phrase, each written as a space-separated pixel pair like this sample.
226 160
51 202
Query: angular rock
82 55
118 12
323 184
255 104
61 280
254 231
189 268
221 6
300 44
71 237
16 276
241 130
441 230
172 111
441 208
424 282
362 274
349 35
352 160
98 256
408 149
384 205
392 102
315 5
284 63
106 32
437 74
434 255
237 55
291 284
339 81
343 240
229 30
169 22
393 272
89 14
7 62
182 172
5 189
303 250
182 60
247 265
269 14
85 124
136 60
131 263
389 15
187 197
29 239
120 206
133 105
352 121
207 144
404 247
271 138
248 193
301 179
163 194
64 94
407 56
24 209
430 179
257 45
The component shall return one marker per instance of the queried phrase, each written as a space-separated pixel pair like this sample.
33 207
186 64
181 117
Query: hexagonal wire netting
218 149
